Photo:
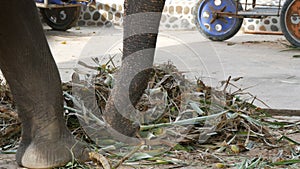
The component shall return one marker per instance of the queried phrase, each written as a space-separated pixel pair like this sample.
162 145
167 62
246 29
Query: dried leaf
99 159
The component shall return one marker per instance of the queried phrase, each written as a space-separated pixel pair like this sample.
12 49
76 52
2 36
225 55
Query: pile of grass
183 123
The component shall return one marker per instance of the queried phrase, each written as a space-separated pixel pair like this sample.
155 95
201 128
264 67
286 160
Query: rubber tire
283 24
72 16
223 37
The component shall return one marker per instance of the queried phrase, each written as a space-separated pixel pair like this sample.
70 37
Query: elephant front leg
30 70
141 23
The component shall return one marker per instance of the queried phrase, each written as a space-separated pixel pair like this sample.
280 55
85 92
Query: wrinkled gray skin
30 70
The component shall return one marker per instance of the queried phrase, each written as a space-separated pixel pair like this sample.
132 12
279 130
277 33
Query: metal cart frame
220 20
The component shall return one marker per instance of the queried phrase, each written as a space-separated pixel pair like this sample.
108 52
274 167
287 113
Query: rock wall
177 14
268 24
101 13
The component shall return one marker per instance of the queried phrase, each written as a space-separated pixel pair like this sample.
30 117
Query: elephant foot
49 154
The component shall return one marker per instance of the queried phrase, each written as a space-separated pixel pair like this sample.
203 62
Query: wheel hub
217 16
295 19
62 15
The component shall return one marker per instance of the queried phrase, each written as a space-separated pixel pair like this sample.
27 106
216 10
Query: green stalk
182 122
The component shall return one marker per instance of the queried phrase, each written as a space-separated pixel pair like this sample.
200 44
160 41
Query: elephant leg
30 70
141 22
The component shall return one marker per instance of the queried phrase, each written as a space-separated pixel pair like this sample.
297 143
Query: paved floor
271 73
269 70
7 161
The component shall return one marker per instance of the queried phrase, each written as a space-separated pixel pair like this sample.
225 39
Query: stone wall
177 14
268 24
101 13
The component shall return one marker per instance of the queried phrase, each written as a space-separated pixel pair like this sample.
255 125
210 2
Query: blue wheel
212 24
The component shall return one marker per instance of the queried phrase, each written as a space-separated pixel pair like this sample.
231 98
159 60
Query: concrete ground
269 72
269 69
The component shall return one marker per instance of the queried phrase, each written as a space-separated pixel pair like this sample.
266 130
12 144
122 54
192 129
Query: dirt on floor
242 136
7 161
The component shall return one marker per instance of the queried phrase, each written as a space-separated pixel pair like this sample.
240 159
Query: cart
60 14
220 20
